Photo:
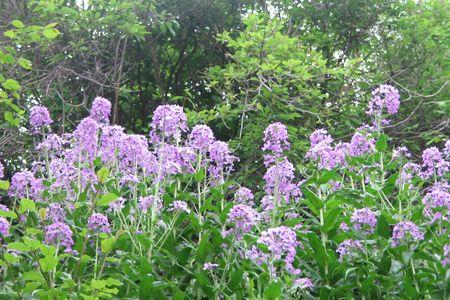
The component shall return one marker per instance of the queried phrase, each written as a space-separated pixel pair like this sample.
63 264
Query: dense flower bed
108 214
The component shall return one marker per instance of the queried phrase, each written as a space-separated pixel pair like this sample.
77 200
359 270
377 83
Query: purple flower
276 141
86 136
303 283
98 223
320 136
349 249
281 242
59 233
4 227
1 170
364 219
210 266
101 110
201 137
221 159
179 206
385 96
433 163
407 173
111 140
39 117
279 179
25 185
4 208
344 227
146 202
56 213
359 145
405 232
437 203
401 152
117 205
244 196
446 259
169 121
52 143
447 149
242 217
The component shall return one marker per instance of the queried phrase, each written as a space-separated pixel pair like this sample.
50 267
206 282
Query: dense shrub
108 214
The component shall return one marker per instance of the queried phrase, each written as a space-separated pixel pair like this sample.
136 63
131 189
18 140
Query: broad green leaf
106 199
50 32
103 174
273 291
4 185
48 263
18 24
24 63
313 199
18 246
381 144
33 276
26 205
108 244
331 219
11 85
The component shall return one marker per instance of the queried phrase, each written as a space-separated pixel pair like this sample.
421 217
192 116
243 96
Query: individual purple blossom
169 121
209 266
244 196
437 203
433 163
407 173
25 185
101 110
281 242
349 249
446 258
4 208
56 213
2 169
405 232
320 136
4 227
303 283
401 152
364 220
147 202
59 234
446 149
385 96
117 205
242 218
98 223
276 141
111 140
179 206
39 117
201 138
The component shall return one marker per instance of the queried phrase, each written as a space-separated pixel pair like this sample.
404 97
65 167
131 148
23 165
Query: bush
106 214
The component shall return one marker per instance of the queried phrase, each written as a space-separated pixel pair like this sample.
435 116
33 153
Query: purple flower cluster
52 143
221 159
59 234
446 258
401 152
169 121
2 170
56 213
437 203
405 232
433 163
349 249
117 205
25 185
210 266
244 196
86 136
279 180
98 223
179 206
385 96
101 110
242 218
39 117
281 243
276 141
201 138
409 170
4 227
360 145
147 202
322 150
303 283
364 220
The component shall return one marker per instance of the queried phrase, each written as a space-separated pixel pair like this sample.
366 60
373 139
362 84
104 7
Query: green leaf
10 34
11 85
8 214
50 33
200 175
383 229
106 199
108 244
33 276
273 291
48 263
18 246
103 174
313 199
18 24
24 63
26 204
319 252
331 219
4 185
381 144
